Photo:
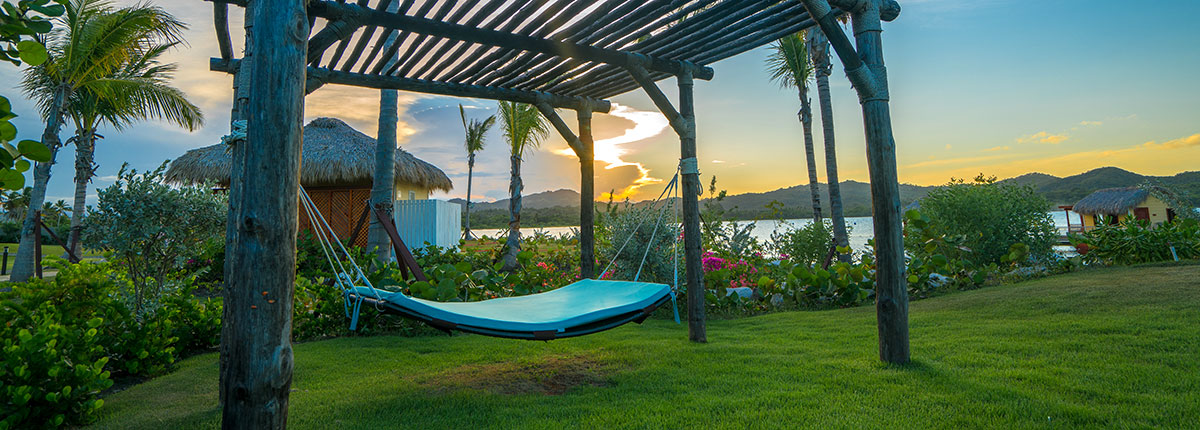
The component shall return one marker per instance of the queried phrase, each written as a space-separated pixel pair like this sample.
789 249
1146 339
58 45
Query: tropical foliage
23 26
984 219
95 41
524 128
789 65
476 130
1136 241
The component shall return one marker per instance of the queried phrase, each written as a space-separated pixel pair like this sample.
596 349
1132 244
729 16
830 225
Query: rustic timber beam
332 33
221 21
338 11
660 100
548 111
433 87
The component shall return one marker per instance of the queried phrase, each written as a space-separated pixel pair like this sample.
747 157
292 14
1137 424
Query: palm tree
524 128
818 50
93 40
789 65
140 90
475 130
16 203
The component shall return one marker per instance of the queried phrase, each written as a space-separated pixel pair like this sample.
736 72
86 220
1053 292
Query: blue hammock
583 307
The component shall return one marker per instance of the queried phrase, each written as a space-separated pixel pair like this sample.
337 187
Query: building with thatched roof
336 169
1113 205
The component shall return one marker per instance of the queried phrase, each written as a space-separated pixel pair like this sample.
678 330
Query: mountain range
856 196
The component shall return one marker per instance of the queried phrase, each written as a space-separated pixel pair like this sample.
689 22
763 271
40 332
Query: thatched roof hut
1112 201
334 154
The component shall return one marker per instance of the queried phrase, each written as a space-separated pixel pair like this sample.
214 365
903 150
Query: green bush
986 218
808 244
152 229
629 231
1135 241
50 373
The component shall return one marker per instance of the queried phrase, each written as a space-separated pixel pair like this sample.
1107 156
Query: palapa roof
1112 201
334 154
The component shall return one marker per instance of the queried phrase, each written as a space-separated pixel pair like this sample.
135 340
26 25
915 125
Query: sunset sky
1000 87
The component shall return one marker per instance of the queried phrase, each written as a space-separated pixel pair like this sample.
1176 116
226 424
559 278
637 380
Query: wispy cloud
1090 123
1183 142
1043 137
718 161
998 148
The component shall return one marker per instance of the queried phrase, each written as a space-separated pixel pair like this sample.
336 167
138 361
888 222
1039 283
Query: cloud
1043 137
1183 142
998 148
1090 123
718 161
611 151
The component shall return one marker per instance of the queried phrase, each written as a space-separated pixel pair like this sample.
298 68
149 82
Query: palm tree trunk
383 181
513 245
85 151
23 265
805 115
835 192
470 172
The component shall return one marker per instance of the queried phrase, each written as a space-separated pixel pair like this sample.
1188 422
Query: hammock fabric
583 307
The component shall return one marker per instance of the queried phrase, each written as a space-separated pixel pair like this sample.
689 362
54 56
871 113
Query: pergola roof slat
574 49
507 66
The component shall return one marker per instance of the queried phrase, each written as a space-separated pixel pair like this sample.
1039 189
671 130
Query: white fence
436 222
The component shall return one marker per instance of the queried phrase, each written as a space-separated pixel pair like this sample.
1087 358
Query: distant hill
542 200
1037 180
560 207
1068 190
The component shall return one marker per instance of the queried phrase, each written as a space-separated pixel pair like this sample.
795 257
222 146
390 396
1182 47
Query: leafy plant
1136 241
987 218
152 229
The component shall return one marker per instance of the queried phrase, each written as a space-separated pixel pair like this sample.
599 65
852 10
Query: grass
1111 347
47 252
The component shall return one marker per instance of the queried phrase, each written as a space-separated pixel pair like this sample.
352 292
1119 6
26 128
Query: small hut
336 169
1114 205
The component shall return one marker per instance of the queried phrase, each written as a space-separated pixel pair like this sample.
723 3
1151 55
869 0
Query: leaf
32 53
34 150
21 165
8 131
11 179
5 105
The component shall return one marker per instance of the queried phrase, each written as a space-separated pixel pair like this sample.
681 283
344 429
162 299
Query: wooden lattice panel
342 209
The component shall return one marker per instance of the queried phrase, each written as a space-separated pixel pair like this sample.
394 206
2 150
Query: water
861 228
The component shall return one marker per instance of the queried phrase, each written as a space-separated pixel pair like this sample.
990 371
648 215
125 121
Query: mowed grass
47 252
1111 348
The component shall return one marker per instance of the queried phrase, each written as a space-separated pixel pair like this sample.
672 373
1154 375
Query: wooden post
697 331
587 196
264 188
684 123
583 149
864 66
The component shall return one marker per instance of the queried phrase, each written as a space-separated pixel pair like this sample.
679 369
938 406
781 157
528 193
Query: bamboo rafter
575 51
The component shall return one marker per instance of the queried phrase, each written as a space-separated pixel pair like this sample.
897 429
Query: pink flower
712 263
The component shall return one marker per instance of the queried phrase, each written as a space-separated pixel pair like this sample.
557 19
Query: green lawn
1113 348
47 251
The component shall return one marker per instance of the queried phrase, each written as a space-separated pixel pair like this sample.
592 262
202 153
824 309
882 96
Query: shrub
807 245
152 229
630 230
50 373
986 218
1134 241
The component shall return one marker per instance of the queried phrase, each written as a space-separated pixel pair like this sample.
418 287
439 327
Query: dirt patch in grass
551 376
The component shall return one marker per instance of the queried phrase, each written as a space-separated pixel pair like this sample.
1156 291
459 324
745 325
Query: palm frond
788 63
524 127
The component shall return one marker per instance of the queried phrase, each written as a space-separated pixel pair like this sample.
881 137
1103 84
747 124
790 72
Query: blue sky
1001 87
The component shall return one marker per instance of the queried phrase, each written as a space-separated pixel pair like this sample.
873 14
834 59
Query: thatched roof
1111 201
334 154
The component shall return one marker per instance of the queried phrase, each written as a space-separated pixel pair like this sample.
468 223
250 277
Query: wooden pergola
554 54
